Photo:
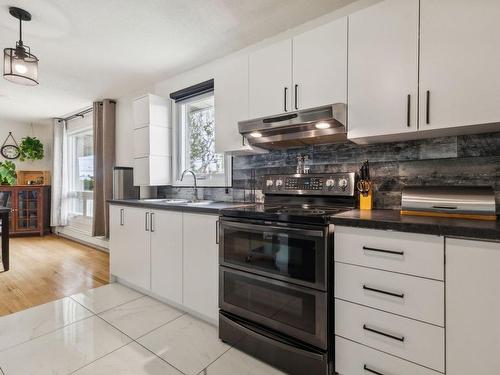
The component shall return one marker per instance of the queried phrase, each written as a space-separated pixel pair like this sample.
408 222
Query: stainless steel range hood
312 126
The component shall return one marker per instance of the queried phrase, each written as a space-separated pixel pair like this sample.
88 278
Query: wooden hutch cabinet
30 208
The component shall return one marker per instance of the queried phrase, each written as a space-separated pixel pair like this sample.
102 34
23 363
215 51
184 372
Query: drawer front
409 339
352 358
409 253
410 296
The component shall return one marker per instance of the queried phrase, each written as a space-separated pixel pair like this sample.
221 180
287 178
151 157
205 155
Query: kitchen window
80 157
194 139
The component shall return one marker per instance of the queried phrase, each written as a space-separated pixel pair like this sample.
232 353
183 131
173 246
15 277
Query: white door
320 66
472 307
231 102
270 80
459 61
166 254
383 69
130 256
200 264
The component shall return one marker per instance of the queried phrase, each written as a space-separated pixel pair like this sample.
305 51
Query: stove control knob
343 183
279 184
330 184
269 183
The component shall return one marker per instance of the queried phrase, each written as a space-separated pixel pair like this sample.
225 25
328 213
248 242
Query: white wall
20 130
124 143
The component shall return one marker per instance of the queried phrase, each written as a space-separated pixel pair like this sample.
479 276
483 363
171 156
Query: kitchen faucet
195 192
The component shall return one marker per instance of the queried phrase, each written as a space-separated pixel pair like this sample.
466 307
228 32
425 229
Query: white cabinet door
383 69
166 254
231 102
130 256
270 80
152 170
150 110
200 264
459 60
320 66
472 307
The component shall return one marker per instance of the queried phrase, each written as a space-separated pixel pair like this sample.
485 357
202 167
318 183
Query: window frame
179 147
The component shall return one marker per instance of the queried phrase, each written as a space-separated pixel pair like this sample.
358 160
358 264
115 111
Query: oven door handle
273 229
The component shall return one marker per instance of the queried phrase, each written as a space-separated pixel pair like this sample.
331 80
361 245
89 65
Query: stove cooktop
288 213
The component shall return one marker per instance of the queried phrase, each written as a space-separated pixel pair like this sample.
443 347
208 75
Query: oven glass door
294 254
293 310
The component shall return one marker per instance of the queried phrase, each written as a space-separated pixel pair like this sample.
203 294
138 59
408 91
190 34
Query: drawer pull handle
394 337
383 251
366 368
399 295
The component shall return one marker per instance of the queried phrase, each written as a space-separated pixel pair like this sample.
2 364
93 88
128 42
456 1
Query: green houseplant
30 148
8 173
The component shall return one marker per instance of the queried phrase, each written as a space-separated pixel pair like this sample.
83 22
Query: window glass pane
81 166
196 122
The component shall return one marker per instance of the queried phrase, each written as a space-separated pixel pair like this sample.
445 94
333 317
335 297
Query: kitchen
323 200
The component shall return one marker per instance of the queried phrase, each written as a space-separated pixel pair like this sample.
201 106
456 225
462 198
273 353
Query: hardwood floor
43 269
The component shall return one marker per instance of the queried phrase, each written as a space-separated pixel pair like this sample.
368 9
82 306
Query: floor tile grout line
111 308
157 356
215 360
47 333
160 326
105 355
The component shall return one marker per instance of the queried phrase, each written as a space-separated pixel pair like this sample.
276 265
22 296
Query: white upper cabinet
231 102
152 141
459 62
270 73
320 66
383 69
148 110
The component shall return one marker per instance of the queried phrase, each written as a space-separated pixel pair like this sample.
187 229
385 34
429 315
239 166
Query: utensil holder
366 201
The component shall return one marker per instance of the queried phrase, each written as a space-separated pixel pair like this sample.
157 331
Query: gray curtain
104 160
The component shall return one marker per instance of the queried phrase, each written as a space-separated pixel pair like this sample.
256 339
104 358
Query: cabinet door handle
385 334
285 98
217 233
427 107
152 222
408 111
296 96
146 220
121 216
383 251
368 369
399 295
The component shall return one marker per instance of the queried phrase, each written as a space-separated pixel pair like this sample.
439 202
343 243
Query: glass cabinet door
27 209
6 201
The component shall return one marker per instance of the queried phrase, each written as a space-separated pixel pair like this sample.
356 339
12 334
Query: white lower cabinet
200 264
352 359
402 337
172 254
472 307
130 254
166 254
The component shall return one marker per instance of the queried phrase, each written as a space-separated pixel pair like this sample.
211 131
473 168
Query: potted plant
31 149
8 173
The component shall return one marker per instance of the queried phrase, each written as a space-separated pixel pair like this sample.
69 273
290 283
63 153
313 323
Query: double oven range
276 271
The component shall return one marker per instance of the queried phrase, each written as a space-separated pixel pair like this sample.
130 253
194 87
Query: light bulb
322 125
256 134
20 68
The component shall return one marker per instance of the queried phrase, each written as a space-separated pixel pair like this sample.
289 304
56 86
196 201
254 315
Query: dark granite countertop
392 220
210 208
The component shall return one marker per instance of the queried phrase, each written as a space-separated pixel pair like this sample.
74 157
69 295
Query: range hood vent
313 126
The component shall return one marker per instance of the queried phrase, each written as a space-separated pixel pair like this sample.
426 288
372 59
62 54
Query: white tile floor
116 330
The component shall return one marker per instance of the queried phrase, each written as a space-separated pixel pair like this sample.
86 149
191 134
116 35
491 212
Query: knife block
366 202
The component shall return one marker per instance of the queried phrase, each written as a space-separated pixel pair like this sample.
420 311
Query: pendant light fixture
20 65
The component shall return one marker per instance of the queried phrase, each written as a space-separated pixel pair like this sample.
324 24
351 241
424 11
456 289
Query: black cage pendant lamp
20 65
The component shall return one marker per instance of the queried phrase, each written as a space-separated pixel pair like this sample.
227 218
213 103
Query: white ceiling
91 49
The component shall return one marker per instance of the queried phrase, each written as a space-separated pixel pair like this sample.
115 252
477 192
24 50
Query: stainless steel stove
276 271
